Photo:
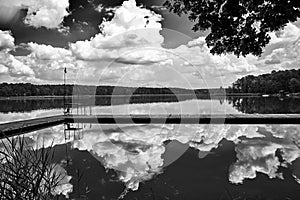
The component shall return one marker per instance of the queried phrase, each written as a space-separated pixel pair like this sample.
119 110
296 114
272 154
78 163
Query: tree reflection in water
270 105
250 105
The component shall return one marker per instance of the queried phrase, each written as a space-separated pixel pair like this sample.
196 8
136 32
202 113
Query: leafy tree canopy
240 27
287 81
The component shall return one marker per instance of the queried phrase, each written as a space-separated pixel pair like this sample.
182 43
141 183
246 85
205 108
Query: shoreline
148 95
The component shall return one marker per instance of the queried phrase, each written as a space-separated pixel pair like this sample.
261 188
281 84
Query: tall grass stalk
27 173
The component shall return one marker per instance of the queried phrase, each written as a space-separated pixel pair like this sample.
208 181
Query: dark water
188 162
248 105
210 162
269 105
27 105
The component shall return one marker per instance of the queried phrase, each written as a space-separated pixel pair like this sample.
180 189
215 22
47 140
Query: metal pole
65 71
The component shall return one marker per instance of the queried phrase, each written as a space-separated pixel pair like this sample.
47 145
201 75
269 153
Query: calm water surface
12 110
177 161
172 161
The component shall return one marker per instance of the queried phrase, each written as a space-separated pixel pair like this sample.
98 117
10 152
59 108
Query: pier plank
187 119
25 126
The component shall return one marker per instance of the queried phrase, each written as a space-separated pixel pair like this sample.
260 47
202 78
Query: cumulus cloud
145 57
131 29
42 13
128 38
47 52
48 62
9 65
273 61
3 69
15 67
283 52
43 63
132 39
6 40
192 61
204 65
131 17
289 33
34 67
200 42
49 14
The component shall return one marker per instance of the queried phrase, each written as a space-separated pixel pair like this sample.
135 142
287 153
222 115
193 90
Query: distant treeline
275 82
272 83
30 104
28 89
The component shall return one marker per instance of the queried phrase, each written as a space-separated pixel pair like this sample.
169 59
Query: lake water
12 110
171 161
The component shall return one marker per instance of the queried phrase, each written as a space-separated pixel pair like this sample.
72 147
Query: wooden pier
25 126
187 119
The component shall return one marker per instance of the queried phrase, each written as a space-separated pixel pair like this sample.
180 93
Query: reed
27 173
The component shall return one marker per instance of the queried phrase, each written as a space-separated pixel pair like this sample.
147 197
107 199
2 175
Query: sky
129 43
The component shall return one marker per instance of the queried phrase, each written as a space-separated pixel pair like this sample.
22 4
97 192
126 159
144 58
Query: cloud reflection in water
139 152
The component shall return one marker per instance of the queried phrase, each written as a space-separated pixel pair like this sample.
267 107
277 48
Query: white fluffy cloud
47 52
124 42
130 45
131 17
283 52
15 67
49 14
199 62
200 57
6 40
124 37
3 69
42 13
289 33
45 62
9 65
129 51
48 62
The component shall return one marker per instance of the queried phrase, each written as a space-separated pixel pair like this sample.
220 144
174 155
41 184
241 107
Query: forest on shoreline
28 89
287 81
